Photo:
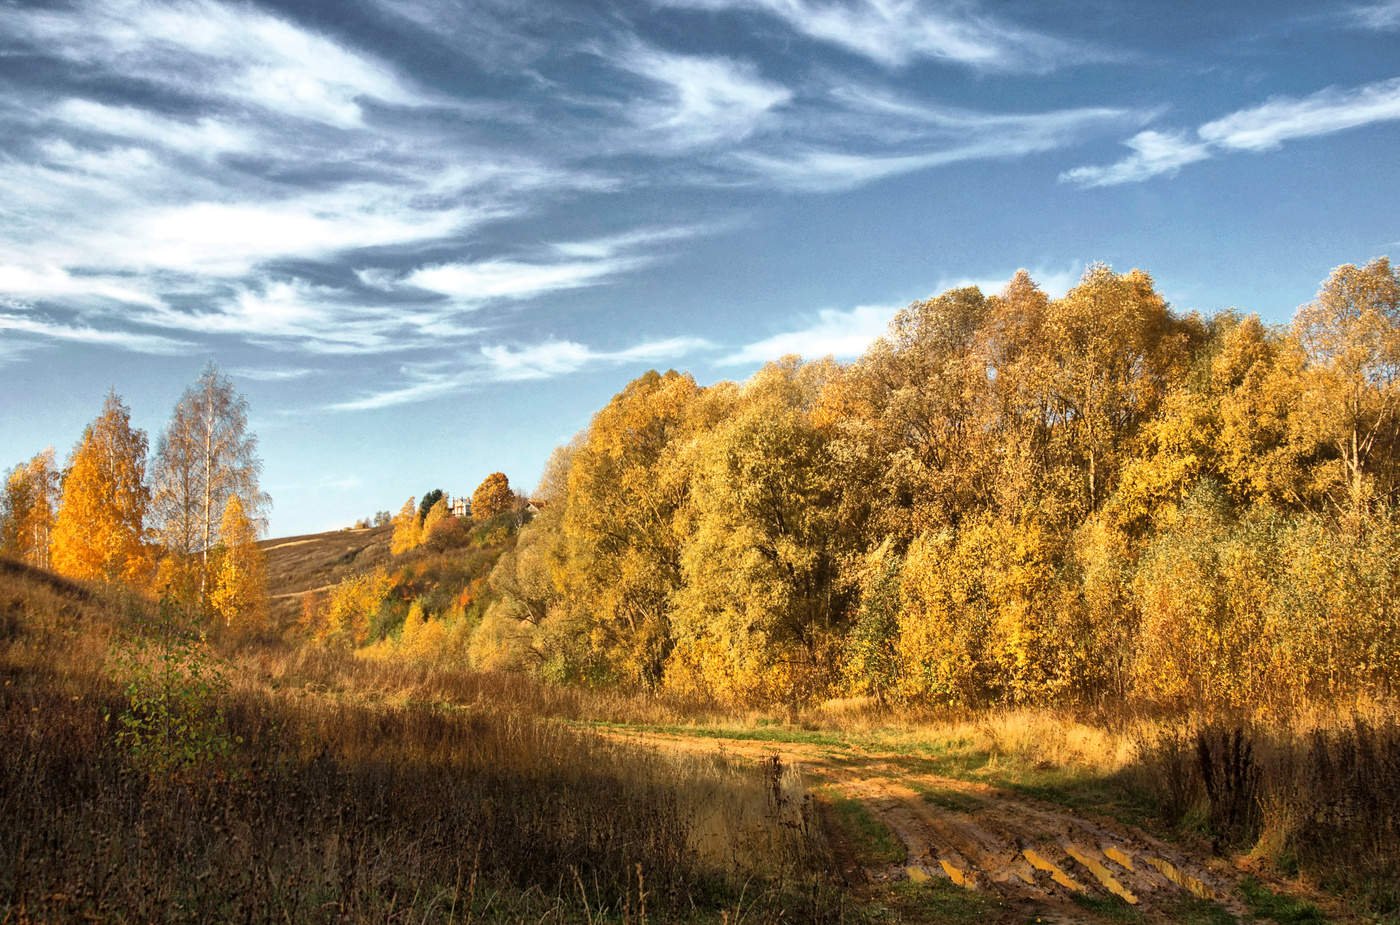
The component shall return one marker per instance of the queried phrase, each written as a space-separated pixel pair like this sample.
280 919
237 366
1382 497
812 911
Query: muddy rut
1036 857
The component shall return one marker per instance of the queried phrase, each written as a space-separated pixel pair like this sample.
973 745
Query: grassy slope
296 564
345 805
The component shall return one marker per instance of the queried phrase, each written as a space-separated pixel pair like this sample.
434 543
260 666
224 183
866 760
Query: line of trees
1007 499
183 522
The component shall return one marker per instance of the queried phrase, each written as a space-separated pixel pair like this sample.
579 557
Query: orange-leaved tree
493 496
99 532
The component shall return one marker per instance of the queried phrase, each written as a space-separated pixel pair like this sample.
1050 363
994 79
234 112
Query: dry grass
369 793
297 564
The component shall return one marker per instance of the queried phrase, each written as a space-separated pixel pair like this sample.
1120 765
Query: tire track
1042 860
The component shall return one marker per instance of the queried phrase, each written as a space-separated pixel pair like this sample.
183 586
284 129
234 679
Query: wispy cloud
204 48
516 363
897 32
697 102
55 282
843 334
82 334
204 137
1283 118
560 357
1260 128
878 135
489 280
558 267
294 314
272 374
1381 17
1154 153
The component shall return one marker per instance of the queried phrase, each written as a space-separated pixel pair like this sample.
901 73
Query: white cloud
272 374
559 357
54 282
833 332
565 265
1284 118
897 32
924 137
230 238
501 363
292 313
489 280
212 49
1154 153
612 245
205 137
1381 17
702 101
122 340
1259 128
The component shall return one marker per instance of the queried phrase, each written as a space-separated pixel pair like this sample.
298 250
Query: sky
428 239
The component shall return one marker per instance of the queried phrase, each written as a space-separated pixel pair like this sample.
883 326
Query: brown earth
1043 862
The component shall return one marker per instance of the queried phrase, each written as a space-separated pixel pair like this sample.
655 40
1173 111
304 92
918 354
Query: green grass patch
944 798
870 841
758 734
1191 910
1286 910
1108 907
935 901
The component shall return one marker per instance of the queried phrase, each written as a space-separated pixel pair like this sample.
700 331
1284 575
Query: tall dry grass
367 793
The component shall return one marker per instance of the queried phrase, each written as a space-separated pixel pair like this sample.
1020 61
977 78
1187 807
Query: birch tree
205 456
27 509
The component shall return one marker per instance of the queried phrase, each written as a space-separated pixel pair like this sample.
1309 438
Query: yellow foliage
493 496
238 589
344 617
99 532
407 534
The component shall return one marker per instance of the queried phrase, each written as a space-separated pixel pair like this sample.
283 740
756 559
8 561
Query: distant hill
313 561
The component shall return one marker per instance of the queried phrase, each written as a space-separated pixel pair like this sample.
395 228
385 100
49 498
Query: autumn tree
1351 399
492 497
205 455
238 588
1114 348
528 622
100 530
627 479
438 516
27 509
342 617
758 615
407 533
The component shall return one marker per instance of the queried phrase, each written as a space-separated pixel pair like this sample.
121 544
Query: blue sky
428 238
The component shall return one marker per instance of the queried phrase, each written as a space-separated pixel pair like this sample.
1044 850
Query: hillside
314 561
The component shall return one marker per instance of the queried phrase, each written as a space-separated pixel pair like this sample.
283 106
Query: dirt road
1043 862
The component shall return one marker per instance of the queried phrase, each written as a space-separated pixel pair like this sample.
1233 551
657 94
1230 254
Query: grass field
326 787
